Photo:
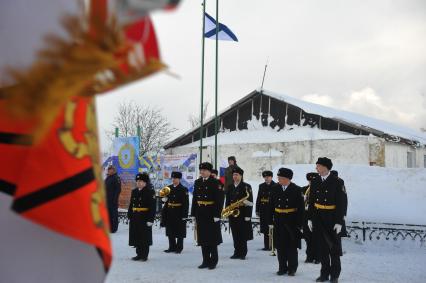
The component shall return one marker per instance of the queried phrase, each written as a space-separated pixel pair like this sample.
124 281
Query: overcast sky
367 57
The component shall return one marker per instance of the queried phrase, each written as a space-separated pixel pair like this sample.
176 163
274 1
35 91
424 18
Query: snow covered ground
381 261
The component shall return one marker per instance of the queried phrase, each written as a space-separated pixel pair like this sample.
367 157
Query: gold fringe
69 68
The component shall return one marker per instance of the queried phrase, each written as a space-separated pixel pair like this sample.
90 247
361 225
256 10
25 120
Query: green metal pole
139 131
116 132
216 84
202 82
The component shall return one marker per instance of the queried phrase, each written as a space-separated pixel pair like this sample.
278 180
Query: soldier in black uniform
325 214
312 251
141 214
262 206
207 204
214 173
241 227
286 215
175 213
113 190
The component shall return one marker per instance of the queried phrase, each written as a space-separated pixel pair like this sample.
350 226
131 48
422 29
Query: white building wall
255 158
396 155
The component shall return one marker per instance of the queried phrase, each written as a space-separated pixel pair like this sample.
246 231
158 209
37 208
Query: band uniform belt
202 202
139 209
285 210
174 204
325 207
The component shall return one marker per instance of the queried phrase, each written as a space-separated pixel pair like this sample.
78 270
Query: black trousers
210 255
240 243
113 219
287 257
266 241
142 251
312 249
175 244
330 261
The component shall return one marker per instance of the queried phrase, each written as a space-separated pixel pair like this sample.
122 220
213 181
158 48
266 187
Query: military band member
325 213
141 215
286 213
215 174
207 204
312 251
175 213
262 206
241 227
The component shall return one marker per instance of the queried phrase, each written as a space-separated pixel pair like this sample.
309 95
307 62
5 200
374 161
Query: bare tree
194 121
155 130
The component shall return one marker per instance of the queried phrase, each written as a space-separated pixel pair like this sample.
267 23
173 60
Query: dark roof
288 111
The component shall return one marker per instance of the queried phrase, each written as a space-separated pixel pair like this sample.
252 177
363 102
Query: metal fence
361 231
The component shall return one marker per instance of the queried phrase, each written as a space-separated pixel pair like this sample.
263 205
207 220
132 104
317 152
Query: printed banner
184 163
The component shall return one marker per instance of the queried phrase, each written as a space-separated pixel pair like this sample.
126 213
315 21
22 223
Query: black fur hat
325 162
267 173
238 170
142 177
206 166
285 172
177 175
310 176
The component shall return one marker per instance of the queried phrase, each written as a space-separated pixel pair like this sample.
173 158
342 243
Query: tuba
232 209
164 192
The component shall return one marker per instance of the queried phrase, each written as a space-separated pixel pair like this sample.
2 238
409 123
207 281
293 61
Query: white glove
149 224
305 198
248 203
193 218
215 219
247 218
310 225
271 226
164 199
338 228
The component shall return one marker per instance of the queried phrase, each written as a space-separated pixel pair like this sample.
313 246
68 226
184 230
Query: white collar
236 185
326 176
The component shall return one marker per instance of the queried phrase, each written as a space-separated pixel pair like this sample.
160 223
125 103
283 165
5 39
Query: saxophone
232 209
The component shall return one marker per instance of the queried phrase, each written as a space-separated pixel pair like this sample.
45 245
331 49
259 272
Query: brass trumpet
164 192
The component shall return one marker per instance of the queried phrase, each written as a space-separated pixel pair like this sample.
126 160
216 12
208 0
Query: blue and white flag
210 30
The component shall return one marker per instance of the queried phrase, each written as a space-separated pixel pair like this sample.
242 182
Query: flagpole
202 82
216 84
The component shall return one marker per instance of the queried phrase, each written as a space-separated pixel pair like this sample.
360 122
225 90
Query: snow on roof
256 133
352 118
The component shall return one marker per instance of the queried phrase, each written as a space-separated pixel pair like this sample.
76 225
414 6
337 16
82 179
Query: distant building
264 129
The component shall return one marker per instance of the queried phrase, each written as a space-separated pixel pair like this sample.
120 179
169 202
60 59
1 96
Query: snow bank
375 194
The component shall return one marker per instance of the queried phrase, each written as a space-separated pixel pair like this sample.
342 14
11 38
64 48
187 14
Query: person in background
113 190
232 162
